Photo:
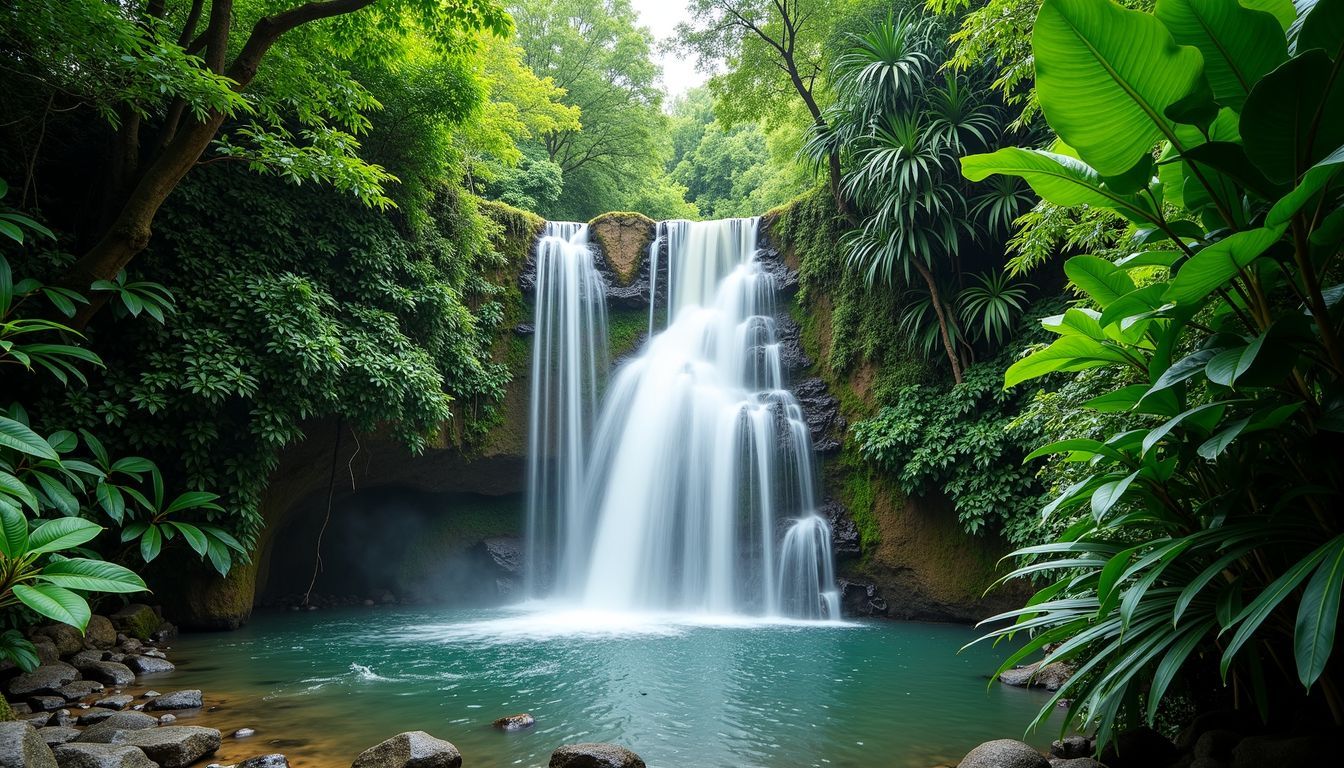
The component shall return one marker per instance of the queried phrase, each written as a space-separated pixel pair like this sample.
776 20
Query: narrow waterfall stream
689 487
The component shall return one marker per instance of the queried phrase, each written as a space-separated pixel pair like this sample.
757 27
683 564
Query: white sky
662 17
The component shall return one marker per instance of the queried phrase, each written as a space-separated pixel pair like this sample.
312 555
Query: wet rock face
624 242
844 533
861 599
822 412
772 264
624 267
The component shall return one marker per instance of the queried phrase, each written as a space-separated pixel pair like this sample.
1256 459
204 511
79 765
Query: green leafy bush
1207 543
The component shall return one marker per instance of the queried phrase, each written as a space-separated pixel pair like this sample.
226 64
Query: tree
766 42
167 76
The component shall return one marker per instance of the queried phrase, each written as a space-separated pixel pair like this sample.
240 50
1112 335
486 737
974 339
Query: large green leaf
1317 178
63 533
1248 620
1058 179
17 435
1067 353
1209 269
1101 280
1318 615
92 576
1106 77
1290 120
13 532
1323 27
57 603
1239 45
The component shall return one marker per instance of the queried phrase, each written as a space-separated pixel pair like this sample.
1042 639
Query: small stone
55 735
1071 747
109 672
118 701
79 689
154 653
189 699
151 694
264 761
414 749
145 664
95 715
515 722
86 657
166 719
62 718
21 747
243 733
78 755
37 719
176 746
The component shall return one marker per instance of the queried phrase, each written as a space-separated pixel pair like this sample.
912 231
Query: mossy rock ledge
622 240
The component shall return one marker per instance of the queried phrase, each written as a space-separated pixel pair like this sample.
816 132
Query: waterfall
569 363
697 490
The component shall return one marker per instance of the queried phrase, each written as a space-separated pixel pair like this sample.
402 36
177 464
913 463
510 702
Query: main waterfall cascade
695 492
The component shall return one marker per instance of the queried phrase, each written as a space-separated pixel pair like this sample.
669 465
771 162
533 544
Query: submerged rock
589 755
413 749
21 747
515 722
264 761
1004 753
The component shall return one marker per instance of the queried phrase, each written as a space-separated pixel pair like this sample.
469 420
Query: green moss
860 498
626 329
139 623
5 712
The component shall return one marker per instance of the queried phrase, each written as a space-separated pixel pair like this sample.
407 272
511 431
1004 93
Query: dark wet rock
79 689
130 645
55 735
1049 677
524 329
414 749
95 715
190 699
793 358
176 746
1071 747
859 598
166 632
264 761
822 412
1074 762
117 701
149 665
167 719
136 620
1262 751
1216 720
154 653
515 722
86 657
1218 744
77 755
1139 748
46 679
38 719
66 638
595 756
845 540
21 747
1004 753
46 650
506 552
108 673
20 708
117 728
46 703
772 264
100 634
63 718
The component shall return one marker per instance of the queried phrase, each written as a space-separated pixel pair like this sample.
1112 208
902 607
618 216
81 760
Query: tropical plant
900 125
1208 542
991 306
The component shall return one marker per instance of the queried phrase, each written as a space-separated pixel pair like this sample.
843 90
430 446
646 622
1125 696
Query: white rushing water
695 492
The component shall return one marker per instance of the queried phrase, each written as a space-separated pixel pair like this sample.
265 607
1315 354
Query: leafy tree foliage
1207 543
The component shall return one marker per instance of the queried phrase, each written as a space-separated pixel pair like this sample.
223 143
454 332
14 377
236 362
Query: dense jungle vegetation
1091 247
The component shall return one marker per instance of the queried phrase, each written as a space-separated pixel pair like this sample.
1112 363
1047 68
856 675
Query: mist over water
689 488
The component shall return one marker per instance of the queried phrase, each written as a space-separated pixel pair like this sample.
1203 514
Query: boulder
67 639
1218 719
1071 747
117 701
1075 762
414 749
190 699
590 755
39 719
1050 677
43 680
46 703
117 728
100 633
55 735
1139 748
79 689
109 673
515 722
94 715
21 747
1004 753
62 718
176 746
46 650
264 761
86 657
149 665
101 756
861 599
1217 744
136 620
1263 751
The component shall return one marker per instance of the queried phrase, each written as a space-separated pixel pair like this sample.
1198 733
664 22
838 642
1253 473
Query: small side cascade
807 572
569 365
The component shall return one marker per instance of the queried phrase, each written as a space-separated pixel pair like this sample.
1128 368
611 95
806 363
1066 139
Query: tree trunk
943 322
